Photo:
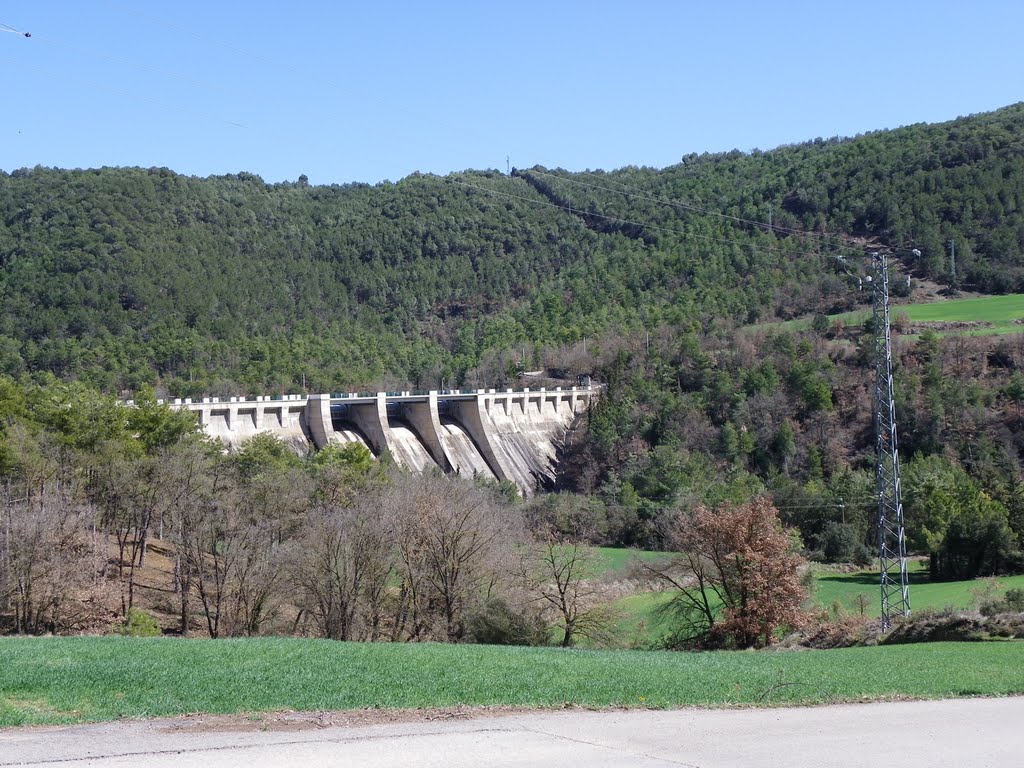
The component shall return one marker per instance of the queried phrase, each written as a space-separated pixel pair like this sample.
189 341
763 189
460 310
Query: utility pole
952 261
892 546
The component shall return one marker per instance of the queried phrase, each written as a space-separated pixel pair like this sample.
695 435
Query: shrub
497 623
138 624
1011 602
840 543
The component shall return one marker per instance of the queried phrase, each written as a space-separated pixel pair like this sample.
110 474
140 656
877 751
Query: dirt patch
304 721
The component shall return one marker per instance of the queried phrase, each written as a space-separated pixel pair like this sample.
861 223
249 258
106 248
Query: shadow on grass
870 578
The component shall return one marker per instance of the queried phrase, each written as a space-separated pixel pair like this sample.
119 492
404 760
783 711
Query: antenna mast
892 547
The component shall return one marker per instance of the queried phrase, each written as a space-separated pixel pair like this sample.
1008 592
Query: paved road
975 733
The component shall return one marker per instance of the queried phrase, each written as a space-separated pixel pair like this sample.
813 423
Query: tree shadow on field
872 578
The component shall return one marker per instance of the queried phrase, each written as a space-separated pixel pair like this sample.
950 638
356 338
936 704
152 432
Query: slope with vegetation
143 281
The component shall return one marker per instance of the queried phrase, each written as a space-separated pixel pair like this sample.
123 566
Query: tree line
713 416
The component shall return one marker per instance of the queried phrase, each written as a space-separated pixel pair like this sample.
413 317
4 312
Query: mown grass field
1000 312
853 590
60 680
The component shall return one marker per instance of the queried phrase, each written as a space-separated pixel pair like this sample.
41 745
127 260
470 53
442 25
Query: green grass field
612 560
641 624
1000 311
60 680
846 589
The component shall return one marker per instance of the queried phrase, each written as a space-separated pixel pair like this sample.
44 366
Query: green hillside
131 276
671 287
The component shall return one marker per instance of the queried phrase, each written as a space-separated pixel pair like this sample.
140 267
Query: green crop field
613 561
998 310
853 590
59 680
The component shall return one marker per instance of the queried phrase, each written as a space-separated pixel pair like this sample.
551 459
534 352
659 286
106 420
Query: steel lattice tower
892 548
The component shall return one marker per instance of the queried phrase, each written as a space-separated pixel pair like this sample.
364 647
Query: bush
138 624
497 623
1011 602
840 543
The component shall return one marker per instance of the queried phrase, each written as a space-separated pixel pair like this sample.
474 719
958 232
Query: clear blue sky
364 91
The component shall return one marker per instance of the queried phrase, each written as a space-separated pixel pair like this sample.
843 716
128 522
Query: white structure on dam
511 435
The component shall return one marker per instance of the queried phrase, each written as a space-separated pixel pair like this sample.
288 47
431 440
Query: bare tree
48 561
343 567
561 575
452 538
192 473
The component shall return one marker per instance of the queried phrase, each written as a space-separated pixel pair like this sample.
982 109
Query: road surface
959 732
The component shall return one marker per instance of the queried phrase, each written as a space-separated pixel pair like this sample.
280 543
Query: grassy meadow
640 623
65 679
1000 314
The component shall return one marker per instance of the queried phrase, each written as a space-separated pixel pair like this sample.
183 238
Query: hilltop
128 276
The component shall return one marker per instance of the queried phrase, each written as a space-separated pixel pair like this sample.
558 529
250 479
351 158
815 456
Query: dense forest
666 285
125 277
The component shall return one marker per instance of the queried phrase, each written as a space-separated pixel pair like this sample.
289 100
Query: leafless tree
452 541
342 569
561 575
48 560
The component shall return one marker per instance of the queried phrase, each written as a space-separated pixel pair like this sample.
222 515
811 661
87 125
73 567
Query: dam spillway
508 435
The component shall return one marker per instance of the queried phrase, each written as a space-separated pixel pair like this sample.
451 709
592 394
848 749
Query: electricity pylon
892 545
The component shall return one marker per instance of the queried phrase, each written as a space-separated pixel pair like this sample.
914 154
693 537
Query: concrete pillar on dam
372 420
424 418
318 417
472 415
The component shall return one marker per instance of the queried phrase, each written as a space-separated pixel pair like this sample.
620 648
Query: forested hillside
124 279
130 276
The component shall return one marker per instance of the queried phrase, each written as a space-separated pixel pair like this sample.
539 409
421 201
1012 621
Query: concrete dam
511 435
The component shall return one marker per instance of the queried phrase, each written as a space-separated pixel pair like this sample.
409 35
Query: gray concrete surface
963 732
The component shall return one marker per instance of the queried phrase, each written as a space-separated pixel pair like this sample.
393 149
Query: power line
14 30
619 220
845 505
631 192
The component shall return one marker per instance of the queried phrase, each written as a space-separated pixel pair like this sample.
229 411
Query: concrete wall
512 435
234 421
521 432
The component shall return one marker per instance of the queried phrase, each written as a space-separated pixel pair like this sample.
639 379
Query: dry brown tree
736 578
